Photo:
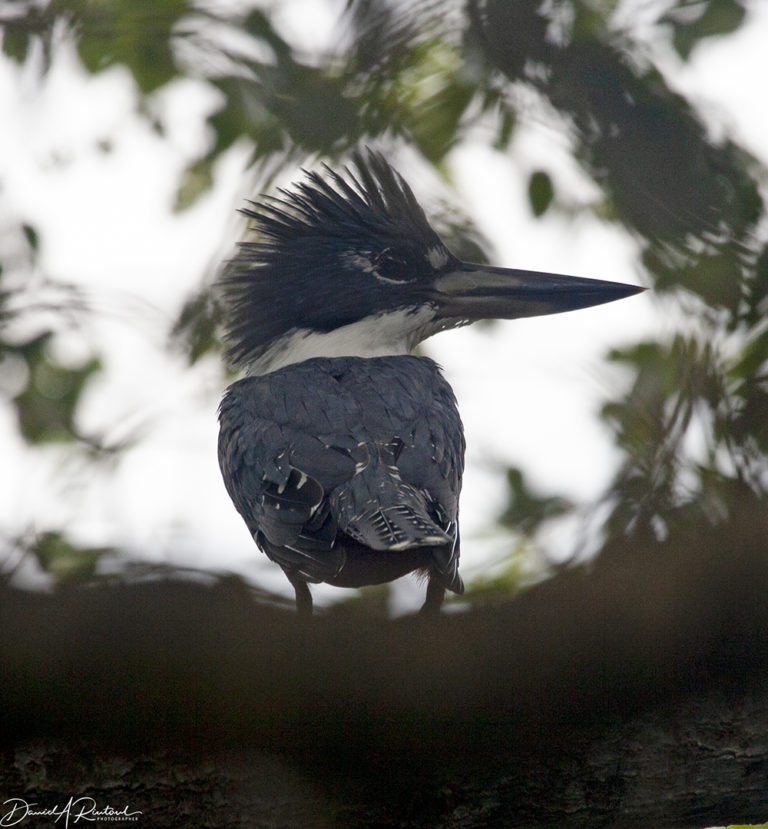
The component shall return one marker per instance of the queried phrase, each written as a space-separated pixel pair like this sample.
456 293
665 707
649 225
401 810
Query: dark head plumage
327 253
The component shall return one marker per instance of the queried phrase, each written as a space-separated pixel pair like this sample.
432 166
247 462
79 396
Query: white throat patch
382 335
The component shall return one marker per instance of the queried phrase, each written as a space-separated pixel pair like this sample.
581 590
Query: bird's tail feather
396 527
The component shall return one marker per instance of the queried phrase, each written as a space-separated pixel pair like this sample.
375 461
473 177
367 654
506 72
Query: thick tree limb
629 692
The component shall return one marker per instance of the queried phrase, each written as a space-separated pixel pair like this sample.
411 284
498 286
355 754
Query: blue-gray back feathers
328 456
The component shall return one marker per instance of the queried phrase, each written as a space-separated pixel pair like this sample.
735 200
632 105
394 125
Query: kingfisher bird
341 450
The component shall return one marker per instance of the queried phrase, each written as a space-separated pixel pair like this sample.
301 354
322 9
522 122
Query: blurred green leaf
196 180
32 237
195 330
540 192
693 21
506 129
435 128
527 510
753 358
65 561
678 387
433 97
243 113
757 290
46 408
123 32
502 583
750 422
15 43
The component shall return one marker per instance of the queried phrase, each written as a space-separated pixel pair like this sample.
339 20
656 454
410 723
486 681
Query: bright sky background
529 390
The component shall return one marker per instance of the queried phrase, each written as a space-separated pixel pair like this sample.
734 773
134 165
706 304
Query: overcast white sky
528 391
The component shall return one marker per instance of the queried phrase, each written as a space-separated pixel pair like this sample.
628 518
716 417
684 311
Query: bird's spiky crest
372 196
360 209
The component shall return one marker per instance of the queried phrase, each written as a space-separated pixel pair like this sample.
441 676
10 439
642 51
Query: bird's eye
392 267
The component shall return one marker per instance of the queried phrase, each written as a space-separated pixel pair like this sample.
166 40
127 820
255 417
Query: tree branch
629 691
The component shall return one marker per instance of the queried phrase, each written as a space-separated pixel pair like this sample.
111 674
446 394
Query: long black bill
476 292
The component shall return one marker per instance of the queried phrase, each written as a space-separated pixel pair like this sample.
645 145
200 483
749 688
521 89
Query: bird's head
348 265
